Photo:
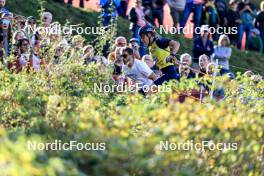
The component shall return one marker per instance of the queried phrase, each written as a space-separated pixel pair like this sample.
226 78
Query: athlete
163 51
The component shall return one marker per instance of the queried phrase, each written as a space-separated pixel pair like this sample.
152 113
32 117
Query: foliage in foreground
60 103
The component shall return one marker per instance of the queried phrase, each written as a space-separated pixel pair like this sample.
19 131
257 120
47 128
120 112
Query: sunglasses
148 60
32 22
121 44
5 22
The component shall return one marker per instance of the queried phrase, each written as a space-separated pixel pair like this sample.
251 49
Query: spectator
223 52
210 69
59 50
31 21
149 61
23 55
47 19
137 70
88 55
115 57
147 4
204 61
157 11
185 71
2 7
137 17
76 48
186 58
233 20
9 16
109 11
219 71
152 65
134 44
30 29
18 35
197 7
186 62
6 31
202 45
118 62
247 12
37 41
176 10
211 16
255 42
122 8
19 22
222 8
2 51
260 22
120 42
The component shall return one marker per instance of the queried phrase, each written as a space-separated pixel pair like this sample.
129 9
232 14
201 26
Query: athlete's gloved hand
170 59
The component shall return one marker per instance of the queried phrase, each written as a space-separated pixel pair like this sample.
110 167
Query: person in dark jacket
122 8
233 21
195 6
221 8
259 23
255 42
211 16
202 45
147 4
247 12
107 13
157 10
137 18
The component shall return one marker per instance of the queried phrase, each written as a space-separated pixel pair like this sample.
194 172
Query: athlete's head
147 34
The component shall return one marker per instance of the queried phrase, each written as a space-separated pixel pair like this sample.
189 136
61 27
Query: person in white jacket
223 52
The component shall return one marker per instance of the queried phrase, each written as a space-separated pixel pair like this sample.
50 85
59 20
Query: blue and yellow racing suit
159 51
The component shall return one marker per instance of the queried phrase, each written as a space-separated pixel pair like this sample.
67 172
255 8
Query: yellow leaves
211 162
124 134
132 126
25 157
2 132
183 123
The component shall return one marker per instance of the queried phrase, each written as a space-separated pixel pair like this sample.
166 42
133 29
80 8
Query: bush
61 104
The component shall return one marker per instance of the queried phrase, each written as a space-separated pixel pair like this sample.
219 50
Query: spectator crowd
146 59
243 15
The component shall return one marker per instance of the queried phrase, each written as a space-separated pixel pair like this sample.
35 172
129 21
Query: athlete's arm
164 43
